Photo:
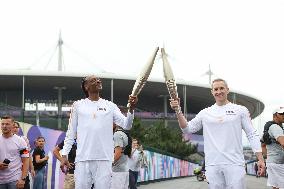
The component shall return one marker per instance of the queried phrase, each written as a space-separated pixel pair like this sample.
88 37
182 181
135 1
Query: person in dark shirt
39 162
69 182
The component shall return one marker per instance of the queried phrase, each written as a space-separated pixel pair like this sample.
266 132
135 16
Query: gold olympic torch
142 78
169 76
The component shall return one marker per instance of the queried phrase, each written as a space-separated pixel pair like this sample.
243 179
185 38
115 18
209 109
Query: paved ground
192 183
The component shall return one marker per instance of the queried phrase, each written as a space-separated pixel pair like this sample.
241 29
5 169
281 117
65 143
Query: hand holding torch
142 78
169 78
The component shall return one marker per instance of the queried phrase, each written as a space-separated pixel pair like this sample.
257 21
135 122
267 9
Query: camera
6 161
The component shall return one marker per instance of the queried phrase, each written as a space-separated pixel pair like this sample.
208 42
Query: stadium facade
19 87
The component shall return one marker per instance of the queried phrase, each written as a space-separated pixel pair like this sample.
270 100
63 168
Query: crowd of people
96 151
21 162
96 133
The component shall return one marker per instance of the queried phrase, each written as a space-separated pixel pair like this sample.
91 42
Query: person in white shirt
14 156
134 163
222 125
91 122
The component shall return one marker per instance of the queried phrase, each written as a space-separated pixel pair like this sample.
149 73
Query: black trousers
27 183
133 176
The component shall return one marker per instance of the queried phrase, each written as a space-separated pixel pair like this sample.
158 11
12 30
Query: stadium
30 95
44 99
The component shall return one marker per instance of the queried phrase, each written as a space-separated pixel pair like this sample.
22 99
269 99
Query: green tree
138 131
167 139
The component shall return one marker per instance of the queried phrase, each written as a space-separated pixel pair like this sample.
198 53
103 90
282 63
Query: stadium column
165 99
184 101
111 90
234 98
59 106
23 100
37 113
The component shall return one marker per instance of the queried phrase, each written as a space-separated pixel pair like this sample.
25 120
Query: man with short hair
222 125
39 162
91 123
134 163
16 130
14 156
275 150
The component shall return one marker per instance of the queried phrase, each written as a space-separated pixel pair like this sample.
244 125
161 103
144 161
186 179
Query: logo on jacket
101 109
230 112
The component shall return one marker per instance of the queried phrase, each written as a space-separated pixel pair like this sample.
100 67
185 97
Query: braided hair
83 81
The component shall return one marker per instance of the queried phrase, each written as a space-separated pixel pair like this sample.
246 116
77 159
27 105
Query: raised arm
175 105
132 100
187 127
125 121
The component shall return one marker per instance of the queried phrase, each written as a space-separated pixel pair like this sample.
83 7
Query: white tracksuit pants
225 176
94 171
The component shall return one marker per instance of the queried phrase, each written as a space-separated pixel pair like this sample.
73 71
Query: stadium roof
40 85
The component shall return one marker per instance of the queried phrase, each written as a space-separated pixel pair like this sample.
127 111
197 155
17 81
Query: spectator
39 162
273 138
16 130
135 161
120 174
69 181
14 157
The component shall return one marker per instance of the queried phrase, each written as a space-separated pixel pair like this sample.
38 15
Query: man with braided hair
91 123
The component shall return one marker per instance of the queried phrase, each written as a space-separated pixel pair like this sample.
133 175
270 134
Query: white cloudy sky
242 40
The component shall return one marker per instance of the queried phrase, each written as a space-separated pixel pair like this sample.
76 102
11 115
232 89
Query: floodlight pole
165 98
111 90
234 98
210 74
23 99
37 113
59 106
60 61
184 101
259 118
